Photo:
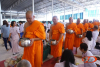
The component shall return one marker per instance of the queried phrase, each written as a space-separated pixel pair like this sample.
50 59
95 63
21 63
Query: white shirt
89 43
47 36
45 24
88 53
61 64
21 28
95 35
49 26
98 39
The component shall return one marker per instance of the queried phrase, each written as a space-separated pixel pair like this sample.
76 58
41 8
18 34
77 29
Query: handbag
1 42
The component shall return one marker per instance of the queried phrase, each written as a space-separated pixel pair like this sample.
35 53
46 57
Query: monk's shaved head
70 20
24 63
78 20
30 17
29 12
55 19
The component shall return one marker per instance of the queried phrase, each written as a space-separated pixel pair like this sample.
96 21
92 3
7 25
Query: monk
56 32
91 26
80 30
34 30
69 40
85 24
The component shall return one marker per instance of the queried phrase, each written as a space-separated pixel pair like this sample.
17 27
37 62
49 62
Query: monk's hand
57 42
32 41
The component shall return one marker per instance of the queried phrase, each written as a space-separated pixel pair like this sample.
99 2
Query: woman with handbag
15 34
5 28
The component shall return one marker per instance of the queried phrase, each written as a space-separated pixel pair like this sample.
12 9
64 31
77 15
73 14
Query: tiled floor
7 54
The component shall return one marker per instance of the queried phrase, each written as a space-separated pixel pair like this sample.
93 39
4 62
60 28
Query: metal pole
72 12
78 13
52 8
4 15
0 15
64 12
33 6
10 16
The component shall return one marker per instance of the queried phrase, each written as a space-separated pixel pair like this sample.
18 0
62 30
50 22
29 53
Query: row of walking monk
34 30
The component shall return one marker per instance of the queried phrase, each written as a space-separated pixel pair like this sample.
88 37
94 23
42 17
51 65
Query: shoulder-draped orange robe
56 50
34 53
96 23
86 26
90 26
78 40
69 40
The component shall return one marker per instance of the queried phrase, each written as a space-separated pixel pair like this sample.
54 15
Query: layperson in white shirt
88 40
67 59
95 34
21 28
86 54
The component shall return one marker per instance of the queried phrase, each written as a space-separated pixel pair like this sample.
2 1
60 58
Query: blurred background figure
21 28
15 34
5 34
24 63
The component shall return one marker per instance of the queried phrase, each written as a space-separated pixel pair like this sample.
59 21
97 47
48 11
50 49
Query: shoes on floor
7 49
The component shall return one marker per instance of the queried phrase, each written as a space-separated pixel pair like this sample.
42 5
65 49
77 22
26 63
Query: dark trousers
97 45
5 43
21 34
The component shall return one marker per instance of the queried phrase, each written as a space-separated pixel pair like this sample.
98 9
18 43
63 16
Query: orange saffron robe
34 53
69 40
86 26
78 40
56 50
90 26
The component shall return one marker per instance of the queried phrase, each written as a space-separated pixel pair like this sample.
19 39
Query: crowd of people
38 32
11 34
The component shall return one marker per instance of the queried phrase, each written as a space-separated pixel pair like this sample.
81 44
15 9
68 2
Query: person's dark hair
49 22
12 23
45 28
48 31
89 35
68 57
5 23
96 27
84 46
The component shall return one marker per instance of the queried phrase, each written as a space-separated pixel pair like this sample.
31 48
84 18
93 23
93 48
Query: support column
17 16
4 15
64 12
0 15
52 8
72 12
33 6
10 16
78 13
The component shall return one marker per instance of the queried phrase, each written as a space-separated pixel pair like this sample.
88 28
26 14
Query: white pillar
72 12
64 12
10 16
52 8
78 13
0 15
17 16
33 6
4 16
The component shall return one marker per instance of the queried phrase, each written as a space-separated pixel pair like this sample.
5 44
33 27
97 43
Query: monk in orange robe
69 40
34 30
56 32
80 30
85 24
